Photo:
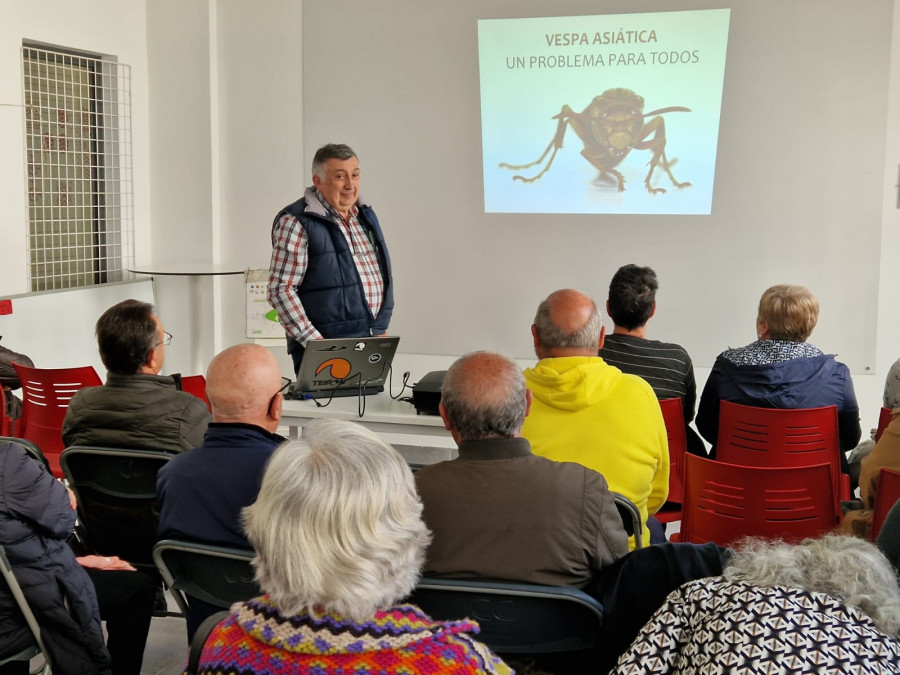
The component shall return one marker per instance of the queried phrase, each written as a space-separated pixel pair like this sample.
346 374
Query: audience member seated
886 455
891 401
201 492
825 605
500 512
892 386
589 412
888 539
9 380
37 514
781 369
137 407
665 366
340 540
634 587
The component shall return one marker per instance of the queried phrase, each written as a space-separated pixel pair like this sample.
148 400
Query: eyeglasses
285 383
167 340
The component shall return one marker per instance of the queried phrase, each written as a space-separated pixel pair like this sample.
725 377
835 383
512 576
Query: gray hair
552 336
337 523
330 151
484 396
847 568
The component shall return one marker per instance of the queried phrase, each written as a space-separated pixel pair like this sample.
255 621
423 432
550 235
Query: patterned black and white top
770 351
717 626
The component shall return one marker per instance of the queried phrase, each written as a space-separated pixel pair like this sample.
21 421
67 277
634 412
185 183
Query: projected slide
602 114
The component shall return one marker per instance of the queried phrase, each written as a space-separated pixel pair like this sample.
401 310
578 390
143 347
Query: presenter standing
330 275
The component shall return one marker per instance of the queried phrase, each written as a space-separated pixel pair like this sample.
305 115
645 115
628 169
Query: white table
421 439
193 272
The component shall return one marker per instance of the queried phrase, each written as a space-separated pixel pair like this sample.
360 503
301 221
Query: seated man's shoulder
439 473
434 474
571 471
190 402
660 344
184 459
163 392
635 385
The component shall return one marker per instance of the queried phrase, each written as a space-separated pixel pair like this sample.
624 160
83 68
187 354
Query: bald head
567 323
240 384
484 396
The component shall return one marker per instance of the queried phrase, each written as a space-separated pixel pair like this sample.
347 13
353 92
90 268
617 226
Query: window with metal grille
77 121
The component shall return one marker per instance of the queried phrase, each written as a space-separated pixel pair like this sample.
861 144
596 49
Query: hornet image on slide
611 127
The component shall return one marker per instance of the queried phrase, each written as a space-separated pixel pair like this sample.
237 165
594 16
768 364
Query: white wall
869 389
261 157
181 169
797 196
228 152
112 27
217 118
226 122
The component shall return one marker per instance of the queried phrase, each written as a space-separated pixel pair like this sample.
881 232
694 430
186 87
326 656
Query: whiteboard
798 180
56 328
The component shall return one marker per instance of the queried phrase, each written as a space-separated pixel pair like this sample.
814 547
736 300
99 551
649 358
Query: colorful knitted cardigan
257 639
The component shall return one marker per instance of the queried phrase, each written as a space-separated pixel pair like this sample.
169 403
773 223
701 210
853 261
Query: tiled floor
166 650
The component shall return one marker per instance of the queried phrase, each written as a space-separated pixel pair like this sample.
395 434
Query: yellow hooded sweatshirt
588 412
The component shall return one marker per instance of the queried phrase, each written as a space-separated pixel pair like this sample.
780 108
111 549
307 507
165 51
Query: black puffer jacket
35 519
145 412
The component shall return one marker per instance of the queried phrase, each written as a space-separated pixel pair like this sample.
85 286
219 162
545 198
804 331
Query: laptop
344 367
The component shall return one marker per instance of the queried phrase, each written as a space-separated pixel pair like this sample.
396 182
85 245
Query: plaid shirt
288 267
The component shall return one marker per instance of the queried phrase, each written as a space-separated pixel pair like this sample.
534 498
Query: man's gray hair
330 151
552 336
337 523
847 568
484 396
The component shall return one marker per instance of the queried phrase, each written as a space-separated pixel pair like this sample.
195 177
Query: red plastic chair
46 393
724 502
196 385
887 493
775 437
884 418
673 415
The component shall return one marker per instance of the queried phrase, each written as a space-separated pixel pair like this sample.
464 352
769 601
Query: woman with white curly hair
339 537
829 605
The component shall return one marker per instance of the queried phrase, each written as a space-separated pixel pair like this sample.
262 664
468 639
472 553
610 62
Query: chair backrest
887 493
116 493
724 502
38 647
196 385
776 437
673 416
198 642
516 618
46 393
884 418
631 518
216 575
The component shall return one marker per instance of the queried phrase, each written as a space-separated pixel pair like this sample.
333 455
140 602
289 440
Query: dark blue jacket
35 520
808 382
201 492
332 291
